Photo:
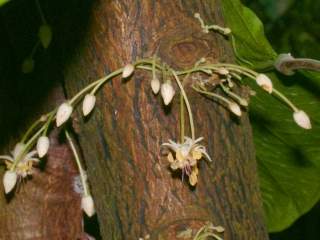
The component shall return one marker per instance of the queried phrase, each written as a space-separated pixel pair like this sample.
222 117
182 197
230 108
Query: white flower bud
88 104
43 146
167 92
63 114
243 102
235 108
227 31
9 180
265 82
127 71
155 85
87 205
223 71
302 119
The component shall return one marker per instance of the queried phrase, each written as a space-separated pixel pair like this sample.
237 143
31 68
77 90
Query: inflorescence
184 154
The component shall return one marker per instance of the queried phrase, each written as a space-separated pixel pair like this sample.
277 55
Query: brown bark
135 192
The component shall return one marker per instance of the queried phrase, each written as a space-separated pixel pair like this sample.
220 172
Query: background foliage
293 26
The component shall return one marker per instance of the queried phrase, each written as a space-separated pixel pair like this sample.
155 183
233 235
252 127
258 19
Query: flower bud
155 85
243 102
87 205
265 82
226 31
167 92
63 114
302 119
127 71
45 35
43 146
223 71
88 104
235 108
9 180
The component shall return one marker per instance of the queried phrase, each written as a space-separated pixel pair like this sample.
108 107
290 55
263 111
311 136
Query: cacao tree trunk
135 193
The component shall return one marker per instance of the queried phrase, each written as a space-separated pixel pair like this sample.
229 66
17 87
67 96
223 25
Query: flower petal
170 158
196 154
6 157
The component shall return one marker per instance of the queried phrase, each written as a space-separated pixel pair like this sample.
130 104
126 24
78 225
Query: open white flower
22 169
186 158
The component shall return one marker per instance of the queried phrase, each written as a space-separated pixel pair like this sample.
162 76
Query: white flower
234 108
302 119
187 155
9 180
63 114
88 104
24 166
43 146
265 82
167 92
155 85
127 70
87 205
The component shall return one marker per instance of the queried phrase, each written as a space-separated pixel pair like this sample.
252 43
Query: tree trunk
135 192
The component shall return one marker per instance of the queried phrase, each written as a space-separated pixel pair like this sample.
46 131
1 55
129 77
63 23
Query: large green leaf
288 156
3 2
252 48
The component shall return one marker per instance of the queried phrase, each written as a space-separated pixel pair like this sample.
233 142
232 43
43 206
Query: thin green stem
181 118
105 79
233 95
285 99
30 130
34 49
50 118
28 146
212 95
43 19
81 171
187 104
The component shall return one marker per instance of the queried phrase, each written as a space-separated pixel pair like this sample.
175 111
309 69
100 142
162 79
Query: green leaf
2 2
249 42
45 35
288 157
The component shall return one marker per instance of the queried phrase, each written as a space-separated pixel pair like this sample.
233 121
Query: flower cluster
183 156
23 168
186 157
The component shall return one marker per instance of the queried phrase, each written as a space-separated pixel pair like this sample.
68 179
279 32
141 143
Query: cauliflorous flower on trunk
187 155
25 164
